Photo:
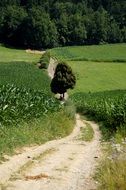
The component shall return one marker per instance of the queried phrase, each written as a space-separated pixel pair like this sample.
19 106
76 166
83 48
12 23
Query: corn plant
108 107
18 104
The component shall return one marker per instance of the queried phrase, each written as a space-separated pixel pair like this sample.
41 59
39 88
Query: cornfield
20 104
108 107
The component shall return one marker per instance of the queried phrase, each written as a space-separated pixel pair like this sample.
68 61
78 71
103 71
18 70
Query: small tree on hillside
63 80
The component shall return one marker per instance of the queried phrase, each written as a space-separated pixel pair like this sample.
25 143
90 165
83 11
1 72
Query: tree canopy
63 80
49 23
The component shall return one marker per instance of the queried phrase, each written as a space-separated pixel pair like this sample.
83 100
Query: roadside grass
94 77
9 54
87 133
108 52
53 126
24 75
112 175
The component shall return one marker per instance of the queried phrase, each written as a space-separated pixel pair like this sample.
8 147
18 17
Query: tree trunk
63 95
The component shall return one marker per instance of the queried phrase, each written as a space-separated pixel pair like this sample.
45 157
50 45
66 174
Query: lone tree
63 79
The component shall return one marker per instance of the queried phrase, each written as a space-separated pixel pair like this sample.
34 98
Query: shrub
63 80
44 61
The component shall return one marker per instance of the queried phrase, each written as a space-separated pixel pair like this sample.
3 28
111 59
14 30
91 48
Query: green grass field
16 67
107 53
8 55
98 76
103 70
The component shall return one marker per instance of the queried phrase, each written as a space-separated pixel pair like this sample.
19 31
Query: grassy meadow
8 55
98 76
97 67
98 53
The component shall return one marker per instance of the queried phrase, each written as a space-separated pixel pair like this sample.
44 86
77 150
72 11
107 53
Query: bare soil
35 51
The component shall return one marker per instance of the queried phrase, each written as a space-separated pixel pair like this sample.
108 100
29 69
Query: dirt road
65 164
52 67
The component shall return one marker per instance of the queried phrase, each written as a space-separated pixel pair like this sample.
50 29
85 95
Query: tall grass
111 174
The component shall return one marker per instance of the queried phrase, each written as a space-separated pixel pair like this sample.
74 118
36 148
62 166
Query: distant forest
50 23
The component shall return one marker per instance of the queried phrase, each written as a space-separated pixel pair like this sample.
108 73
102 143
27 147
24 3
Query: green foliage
115 34
77 33
44 60
108 107
20 104
11 26
39 31
63 79
45 24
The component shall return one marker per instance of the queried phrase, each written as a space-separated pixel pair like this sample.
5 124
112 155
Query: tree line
50 23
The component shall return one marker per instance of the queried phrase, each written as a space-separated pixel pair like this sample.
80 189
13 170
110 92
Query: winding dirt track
65 164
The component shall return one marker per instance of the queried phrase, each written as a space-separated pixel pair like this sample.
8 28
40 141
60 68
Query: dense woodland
50 23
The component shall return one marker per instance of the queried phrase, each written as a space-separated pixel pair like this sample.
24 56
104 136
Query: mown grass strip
87 133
